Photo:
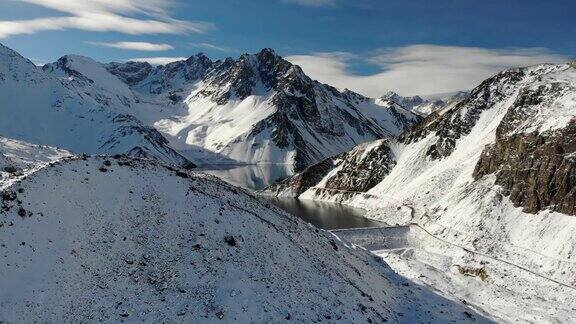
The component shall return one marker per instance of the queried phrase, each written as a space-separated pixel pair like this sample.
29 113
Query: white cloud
419 69
103 16
312 3
157 60
136 46
212 47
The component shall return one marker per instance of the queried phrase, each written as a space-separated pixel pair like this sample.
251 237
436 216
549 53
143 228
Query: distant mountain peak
423 106
199 58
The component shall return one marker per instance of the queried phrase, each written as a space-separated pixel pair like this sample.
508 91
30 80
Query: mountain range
255 109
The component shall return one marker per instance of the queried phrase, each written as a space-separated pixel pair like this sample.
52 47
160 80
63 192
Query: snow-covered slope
494 174
259 109
121 239
60 107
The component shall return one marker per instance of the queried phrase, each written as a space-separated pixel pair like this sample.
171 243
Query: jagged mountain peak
200 58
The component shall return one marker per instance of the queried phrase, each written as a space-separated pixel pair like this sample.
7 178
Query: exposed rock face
296 185
458 121
353 172
131 72
537 170
362 169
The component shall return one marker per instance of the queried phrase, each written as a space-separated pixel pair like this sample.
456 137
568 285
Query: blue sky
370 46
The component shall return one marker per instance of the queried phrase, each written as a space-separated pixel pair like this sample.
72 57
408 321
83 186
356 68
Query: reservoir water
320 214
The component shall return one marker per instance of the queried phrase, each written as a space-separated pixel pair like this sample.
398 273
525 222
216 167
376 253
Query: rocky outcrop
296 185
362 169
536 167
353 172
130 73
536 170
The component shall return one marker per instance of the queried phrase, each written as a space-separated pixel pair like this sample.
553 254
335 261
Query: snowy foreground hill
87 239
485 189
255 109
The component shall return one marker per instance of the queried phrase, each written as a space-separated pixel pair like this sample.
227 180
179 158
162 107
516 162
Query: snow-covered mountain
494 177
59 106
113 239
259 109
423 106
256 109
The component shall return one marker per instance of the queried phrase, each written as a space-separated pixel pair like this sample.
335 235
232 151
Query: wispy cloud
419 69
135 46
105 15
312 3
157 60
212 47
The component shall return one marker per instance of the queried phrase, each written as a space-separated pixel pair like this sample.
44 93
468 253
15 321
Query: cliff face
356 171
299 183
363 168
537 170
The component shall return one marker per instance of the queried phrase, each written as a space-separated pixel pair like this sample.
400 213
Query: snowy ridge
22 155
83 237
61 107
470 175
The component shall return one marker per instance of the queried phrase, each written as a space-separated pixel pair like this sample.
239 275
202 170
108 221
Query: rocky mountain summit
261 108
